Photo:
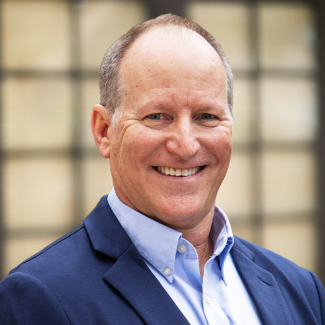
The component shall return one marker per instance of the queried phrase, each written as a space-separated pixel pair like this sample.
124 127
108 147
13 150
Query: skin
174 114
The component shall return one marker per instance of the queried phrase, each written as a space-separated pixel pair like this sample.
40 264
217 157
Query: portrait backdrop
51 173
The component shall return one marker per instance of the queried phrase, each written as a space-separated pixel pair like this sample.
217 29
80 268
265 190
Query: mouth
179 172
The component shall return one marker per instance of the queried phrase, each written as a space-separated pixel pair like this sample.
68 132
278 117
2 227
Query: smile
178 172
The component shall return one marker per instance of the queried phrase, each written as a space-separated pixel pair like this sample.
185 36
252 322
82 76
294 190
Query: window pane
242 111
228 23
98 180
35 34
90 93
38 193
235 193
243 231
293 240
288 182
36 113
102 22
287 36
288 110
19 249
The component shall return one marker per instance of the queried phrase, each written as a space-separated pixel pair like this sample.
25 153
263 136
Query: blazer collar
261 285
130 275
105 232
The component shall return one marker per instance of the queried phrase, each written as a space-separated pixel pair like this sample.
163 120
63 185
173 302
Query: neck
200 239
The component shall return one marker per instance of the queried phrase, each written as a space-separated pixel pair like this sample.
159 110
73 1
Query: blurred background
51 174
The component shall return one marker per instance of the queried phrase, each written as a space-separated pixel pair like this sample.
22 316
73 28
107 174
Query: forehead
174 83
176 92
170 57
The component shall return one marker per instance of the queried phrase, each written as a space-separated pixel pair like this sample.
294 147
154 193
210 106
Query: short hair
111 89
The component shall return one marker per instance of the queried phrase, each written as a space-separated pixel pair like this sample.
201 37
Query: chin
181 213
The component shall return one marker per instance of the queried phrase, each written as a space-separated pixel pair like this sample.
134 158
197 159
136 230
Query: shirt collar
222 236
154 241
158 243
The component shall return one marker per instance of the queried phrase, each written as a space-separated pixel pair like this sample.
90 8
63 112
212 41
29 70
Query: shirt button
181 248
207 299
167 271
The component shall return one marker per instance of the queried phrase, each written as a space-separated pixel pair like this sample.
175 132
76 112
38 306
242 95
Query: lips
178 172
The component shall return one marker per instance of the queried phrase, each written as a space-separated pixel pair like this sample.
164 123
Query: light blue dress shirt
220 298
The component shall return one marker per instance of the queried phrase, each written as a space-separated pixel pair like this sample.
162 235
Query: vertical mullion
76 148
2 226
256 147
159 7
320 218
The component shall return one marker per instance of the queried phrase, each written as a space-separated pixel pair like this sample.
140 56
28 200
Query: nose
182 140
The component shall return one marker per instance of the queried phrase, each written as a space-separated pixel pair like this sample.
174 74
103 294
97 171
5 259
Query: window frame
77 152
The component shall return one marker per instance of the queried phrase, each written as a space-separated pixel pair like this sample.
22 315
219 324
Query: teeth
178 172
185 172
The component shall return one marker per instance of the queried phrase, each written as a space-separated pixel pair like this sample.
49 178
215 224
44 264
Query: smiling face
170 146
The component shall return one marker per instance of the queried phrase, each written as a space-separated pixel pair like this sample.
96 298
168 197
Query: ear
101 127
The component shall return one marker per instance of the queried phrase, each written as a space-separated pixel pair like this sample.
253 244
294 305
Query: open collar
158 244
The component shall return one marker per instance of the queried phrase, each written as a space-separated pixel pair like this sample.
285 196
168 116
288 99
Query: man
156 250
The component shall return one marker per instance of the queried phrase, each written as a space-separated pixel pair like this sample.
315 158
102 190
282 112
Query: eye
155 116
206 116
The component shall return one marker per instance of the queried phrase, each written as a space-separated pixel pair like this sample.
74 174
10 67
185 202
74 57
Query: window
270 190
51 173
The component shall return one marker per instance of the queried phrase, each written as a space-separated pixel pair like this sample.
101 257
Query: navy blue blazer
95 275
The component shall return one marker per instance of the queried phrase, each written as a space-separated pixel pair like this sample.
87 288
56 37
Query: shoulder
270 261
72 251
69 261
25 299
299 287
55 282
29 294
72 244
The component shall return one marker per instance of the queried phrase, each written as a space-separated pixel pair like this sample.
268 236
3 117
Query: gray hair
111 89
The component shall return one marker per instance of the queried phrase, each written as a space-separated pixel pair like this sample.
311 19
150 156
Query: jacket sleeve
321 295
25 300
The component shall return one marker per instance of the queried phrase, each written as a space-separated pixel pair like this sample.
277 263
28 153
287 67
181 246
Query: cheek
220 145
139 146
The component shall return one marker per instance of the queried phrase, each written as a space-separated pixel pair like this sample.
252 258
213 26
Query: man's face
174 119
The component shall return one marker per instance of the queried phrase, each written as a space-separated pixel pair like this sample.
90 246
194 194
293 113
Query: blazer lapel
130 275
262 287
133 279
